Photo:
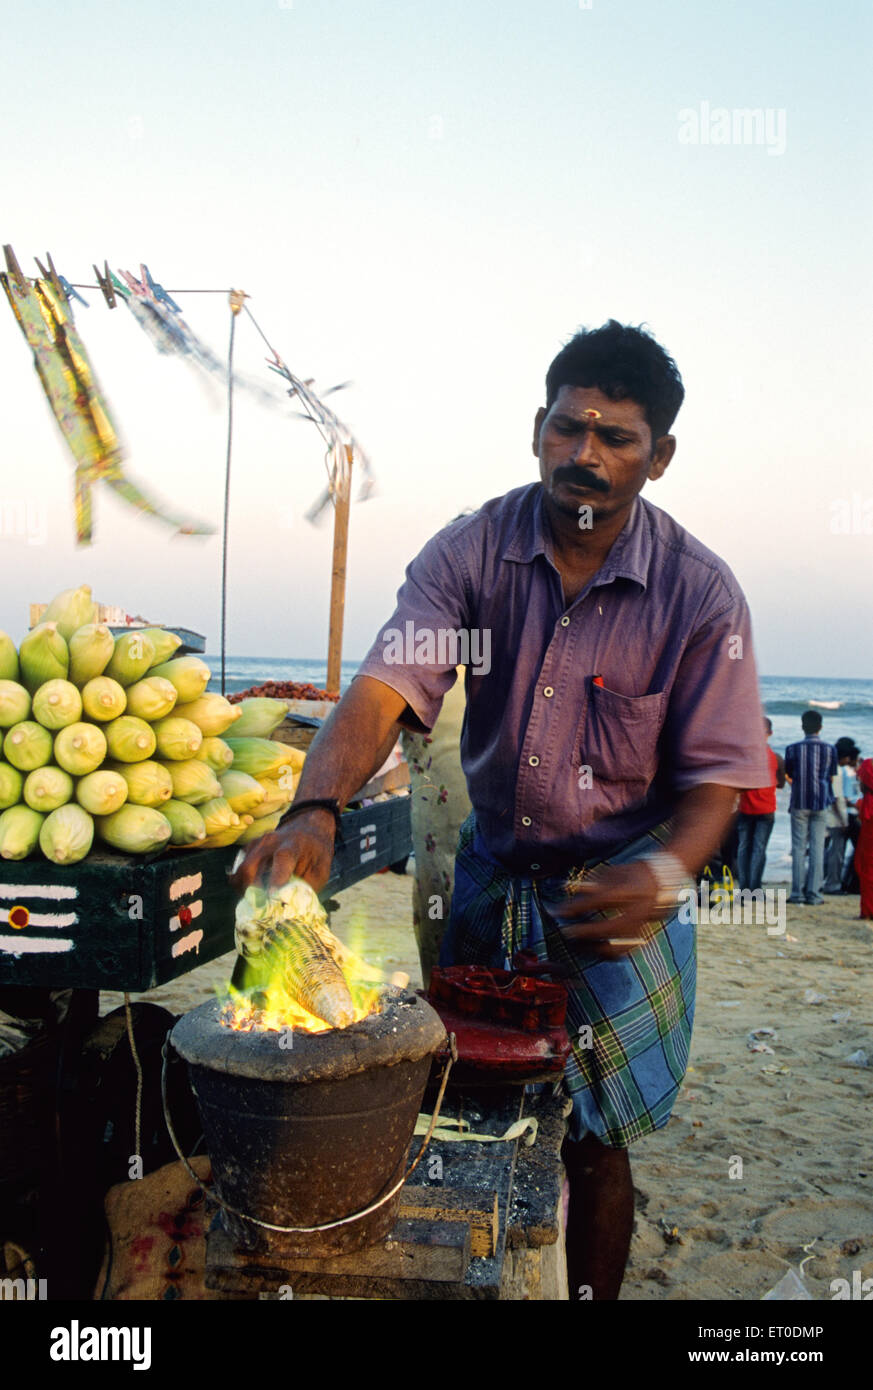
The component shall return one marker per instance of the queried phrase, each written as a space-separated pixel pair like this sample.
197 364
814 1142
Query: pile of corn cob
116 738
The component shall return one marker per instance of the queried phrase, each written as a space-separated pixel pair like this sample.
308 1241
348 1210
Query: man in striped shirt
809 767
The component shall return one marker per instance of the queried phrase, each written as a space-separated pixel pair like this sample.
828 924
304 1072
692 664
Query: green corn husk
8 658
57 704
216 753
130 740
43 656
189 675
177 739
66 835
14 704
11 785
80 748
186 822
151 698
218 815
263 757
101 792
242 791
164 643
193 781
134 829
212 714
104 699
47 788
260 715
230 836
19 832
91 648
259 827
131 658
71 609
27 745
148 783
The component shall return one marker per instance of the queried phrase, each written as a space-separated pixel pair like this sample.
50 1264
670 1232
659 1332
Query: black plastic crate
115 921
373 837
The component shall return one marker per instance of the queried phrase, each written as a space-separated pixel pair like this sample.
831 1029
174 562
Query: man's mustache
581 476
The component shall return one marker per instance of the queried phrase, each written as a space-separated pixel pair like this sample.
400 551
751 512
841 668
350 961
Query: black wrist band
328 803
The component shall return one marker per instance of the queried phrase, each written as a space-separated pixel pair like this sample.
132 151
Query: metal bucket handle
327 1225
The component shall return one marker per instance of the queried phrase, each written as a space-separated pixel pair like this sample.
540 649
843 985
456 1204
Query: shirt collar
629 558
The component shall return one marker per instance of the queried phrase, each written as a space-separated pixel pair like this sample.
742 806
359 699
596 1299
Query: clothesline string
77 286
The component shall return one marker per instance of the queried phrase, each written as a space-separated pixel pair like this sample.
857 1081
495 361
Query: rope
327 1225
137 1121
233 315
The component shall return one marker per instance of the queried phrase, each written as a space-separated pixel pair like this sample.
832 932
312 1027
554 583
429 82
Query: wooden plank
342 503
469 1205
422 1259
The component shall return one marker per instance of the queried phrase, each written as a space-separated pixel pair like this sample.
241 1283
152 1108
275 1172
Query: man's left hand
629 890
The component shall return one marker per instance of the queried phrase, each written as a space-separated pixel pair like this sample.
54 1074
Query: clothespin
120 290
59 284
104 283
137 287
236 299
158 291
14 269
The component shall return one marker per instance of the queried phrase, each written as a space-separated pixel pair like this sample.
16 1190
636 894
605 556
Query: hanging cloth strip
65 372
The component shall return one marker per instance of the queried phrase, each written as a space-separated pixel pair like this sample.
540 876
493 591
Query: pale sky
428 199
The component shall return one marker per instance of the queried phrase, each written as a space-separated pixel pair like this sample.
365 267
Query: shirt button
549 691
534 760
565 621
535 866
526 820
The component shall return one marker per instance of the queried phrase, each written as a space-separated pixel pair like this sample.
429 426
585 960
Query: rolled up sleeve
714 727
418 650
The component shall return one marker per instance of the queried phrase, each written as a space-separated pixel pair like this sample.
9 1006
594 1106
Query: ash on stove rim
406 1029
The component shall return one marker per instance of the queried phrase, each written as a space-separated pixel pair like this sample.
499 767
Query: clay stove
305 1128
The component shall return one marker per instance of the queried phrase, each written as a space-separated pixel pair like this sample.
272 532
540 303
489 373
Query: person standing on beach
809 767
613 714
840 814
755 821
864 847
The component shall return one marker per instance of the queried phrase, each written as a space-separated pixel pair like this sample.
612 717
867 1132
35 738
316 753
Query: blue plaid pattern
639 1009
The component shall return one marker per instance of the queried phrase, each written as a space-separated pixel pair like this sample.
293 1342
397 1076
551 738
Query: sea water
846 707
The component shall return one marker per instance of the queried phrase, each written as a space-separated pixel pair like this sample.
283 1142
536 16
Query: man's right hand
303 847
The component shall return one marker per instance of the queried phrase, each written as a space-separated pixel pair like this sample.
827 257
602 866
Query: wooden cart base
477 1221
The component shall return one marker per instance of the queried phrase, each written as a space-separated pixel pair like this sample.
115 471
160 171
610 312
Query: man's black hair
846 748
810 721
625 363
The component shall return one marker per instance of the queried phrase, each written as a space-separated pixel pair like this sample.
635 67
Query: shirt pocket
620 744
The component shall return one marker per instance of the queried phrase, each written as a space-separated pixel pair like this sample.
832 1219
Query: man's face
600 460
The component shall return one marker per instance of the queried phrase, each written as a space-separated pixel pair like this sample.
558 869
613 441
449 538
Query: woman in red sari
864 847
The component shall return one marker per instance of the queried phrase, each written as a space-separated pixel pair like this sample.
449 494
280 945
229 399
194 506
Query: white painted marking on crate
20 945
37 890
189 884
45 919
191 942
368 843
195 908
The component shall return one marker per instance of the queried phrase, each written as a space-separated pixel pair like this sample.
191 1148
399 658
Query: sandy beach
768 1156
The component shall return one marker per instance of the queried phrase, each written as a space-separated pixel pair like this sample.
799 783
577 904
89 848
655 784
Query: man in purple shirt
612 710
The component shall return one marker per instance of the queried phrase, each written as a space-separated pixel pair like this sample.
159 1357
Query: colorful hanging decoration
342 444
44 315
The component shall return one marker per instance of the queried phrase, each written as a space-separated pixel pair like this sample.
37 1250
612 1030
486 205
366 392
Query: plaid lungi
629 1020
